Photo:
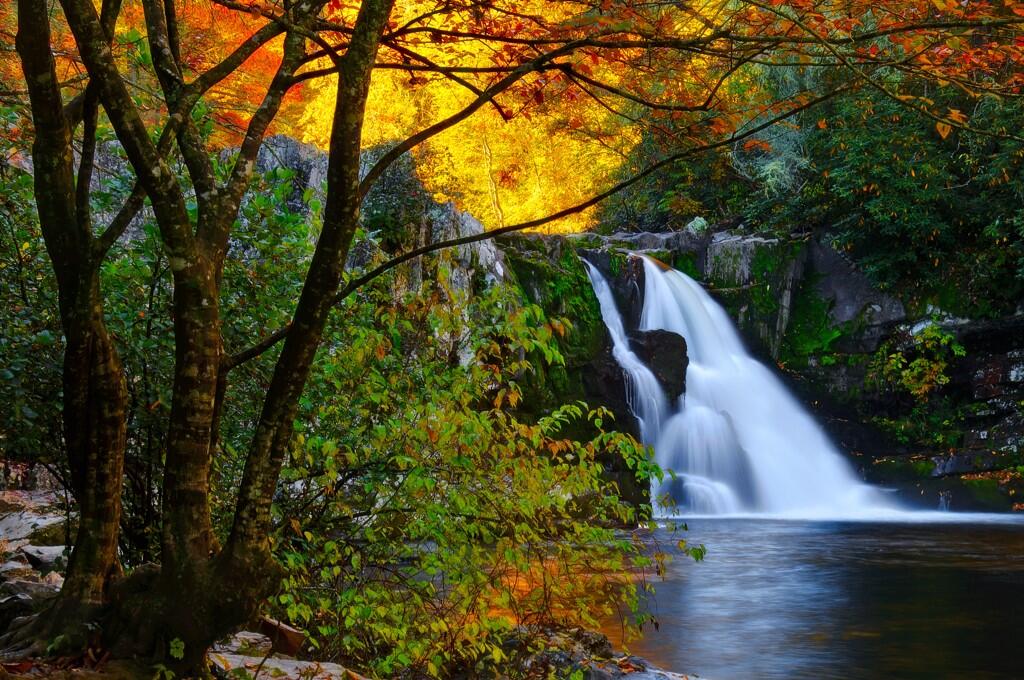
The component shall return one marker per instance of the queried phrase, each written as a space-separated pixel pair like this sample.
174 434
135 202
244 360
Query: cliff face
920 401
800 305
550 272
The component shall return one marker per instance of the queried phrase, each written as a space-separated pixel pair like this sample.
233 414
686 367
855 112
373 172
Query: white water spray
737 440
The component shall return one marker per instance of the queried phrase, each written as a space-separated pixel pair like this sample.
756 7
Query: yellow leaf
943 129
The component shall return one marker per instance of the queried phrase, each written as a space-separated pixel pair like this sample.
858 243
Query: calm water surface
788 599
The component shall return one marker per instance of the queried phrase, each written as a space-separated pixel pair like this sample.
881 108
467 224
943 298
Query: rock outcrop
551 273
664 352
29 574
805 306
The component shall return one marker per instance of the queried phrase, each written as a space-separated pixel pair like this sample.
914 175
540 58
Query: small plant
919 369
162 672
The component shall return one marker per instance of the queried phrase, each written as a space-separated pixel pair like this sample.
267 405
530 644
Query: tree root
63 626
22 640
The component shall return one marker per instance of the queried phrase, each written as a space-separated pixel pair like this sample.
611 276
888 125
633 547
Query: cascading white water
643 393
737 441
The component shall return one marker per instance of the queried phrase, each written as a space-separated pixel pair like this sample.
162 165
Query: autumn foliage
521 112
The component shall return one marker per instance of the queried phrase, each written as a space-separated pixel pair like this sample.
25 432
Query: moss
591 241
810 330
687 264
986 491
617 262
53 534
763 268
553 277
902 468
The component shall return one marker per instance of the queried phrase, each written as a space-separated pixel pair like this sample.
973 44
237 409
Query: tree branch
270 340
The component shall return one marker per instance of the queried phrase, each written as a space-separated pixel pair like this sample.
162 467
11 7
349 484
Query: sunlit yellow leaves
957 116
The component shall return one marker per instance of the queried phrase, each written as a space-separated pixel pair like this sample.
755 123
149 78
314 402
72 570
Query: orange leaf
943 129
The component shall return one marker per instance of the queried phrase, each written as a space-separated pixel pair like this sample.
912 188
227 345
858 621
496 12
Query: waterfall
737 441
644 395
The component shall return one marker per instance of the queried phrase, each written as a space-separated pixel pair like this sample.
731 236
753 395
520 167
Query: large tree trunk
95 394
341 217
95 428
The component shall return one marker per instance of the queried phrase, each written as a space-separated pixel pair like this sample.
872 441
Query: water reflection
784 599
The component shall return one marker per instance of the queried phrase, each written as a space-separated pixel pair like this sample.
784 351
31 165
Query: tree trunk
341 218
95 430
95 394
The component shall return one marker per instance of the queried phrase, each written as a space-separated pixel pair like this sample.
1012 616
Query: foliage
30 345
933 218
938 423
423 524
918 368
228 279
419 498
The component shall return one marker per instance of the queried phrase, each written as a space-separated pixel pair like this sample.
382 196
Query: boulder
283 638
15 571
17 527
54 579
13 607
45 558
55 533
35 590
664 352
246 666
245 643
586 654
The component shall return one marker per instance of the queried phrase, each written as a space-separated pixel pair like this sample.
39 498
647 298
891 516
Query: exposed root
24 638
63 626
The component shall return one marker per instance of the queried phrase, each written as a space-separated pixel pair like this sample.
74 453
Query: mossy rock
901 469
551 275
987 492
556 281
53 534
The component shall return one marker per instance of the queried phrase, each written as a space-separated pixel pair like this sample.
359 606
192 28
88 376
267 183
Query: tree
685 63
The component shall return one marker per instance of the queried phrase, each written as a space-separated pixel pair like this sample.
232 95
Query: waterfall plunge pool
810 573
937 598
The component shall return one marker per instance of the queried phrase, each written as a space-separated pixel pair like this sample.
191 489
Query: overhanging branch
355 284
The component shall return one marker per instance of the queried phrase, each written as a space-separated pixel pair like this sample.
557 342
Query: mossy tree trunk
95 395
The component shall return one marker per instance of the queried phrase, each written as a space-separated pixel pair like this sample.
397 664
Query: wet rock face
625 276
605 385
852 297
664 352
850 290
